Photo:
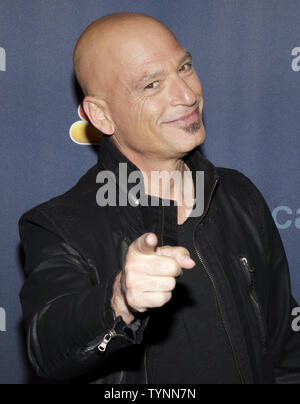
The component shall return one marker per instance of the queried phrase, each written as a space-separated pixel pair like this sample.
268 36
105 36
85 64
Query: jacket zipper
250 271
106 340
102 345
236 360
222 316
108 336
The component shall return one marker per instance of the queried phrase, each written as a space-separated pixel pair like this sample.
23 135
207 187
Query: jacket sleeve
67 308
284 342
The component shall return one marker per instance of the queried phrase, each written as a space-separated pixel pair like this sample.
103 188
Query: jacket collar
109 158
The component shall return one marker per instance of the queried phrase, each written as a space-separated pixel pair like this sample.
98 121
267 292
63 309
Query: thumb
146 244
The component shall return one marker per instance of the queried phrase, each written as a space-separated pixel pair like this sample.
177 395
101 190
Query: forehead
146 44
146 61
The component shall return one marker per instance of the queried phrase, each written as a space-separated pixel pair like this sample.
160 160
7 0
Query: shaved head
98 48
140 87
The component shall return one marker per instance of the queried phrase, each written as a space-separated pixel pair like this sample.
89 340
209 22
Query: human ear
99 115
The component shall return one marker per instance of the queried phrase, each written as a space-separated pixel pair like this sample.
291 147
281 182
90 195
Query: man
150 293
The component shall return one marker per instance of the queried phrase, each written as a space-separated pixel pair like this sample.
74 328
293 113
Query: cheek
139 114
146 113
195 84
133 118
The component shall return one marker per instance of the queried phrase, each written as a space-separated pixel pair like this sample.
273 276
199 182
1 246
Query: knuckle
127 269
129 296
132 299
169 262
172 283
180 273
151 300
164 284
159 300
140 310
163 299
182 251
173 266
168 297
155 284
130 280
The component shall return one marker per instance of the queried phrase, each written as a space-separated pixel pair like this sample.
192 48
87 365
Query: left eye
186 67
152 86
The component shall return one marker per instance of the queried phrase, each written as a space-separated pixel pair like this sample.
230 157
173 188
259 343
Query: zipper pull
249 271
247 265
106 340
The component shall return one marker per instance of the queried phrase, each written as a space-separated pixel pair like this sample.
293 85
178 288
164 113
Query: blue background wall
246 54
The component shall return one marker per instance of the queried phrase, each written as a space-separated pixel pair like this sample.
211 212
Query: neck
157 172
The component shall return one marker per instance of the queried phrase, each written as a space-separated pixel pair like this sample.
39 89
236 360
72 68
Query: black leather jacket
74 250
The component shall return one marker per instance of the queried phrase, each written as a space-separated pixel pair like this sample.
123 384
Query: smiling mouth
186 120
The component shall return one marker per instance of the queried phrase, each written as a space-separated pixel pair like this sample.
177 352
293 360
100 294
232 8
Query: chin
182 142
193 140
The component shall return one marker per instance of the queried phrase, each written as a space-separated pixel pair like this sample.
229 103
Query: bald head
97 52
138 83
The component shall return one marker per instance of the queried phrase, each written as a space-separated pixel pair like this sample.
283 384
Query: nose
180 93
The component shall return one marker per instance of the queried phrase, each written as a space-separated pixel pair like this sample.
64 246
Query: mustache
186 114
194 127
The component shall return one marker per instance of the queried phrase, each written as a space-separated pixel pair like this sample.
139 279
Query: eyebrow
149 77
187 56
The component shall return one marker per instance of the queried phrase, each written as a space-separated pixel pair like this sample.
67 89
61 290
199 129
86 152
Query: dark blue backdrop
247 54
